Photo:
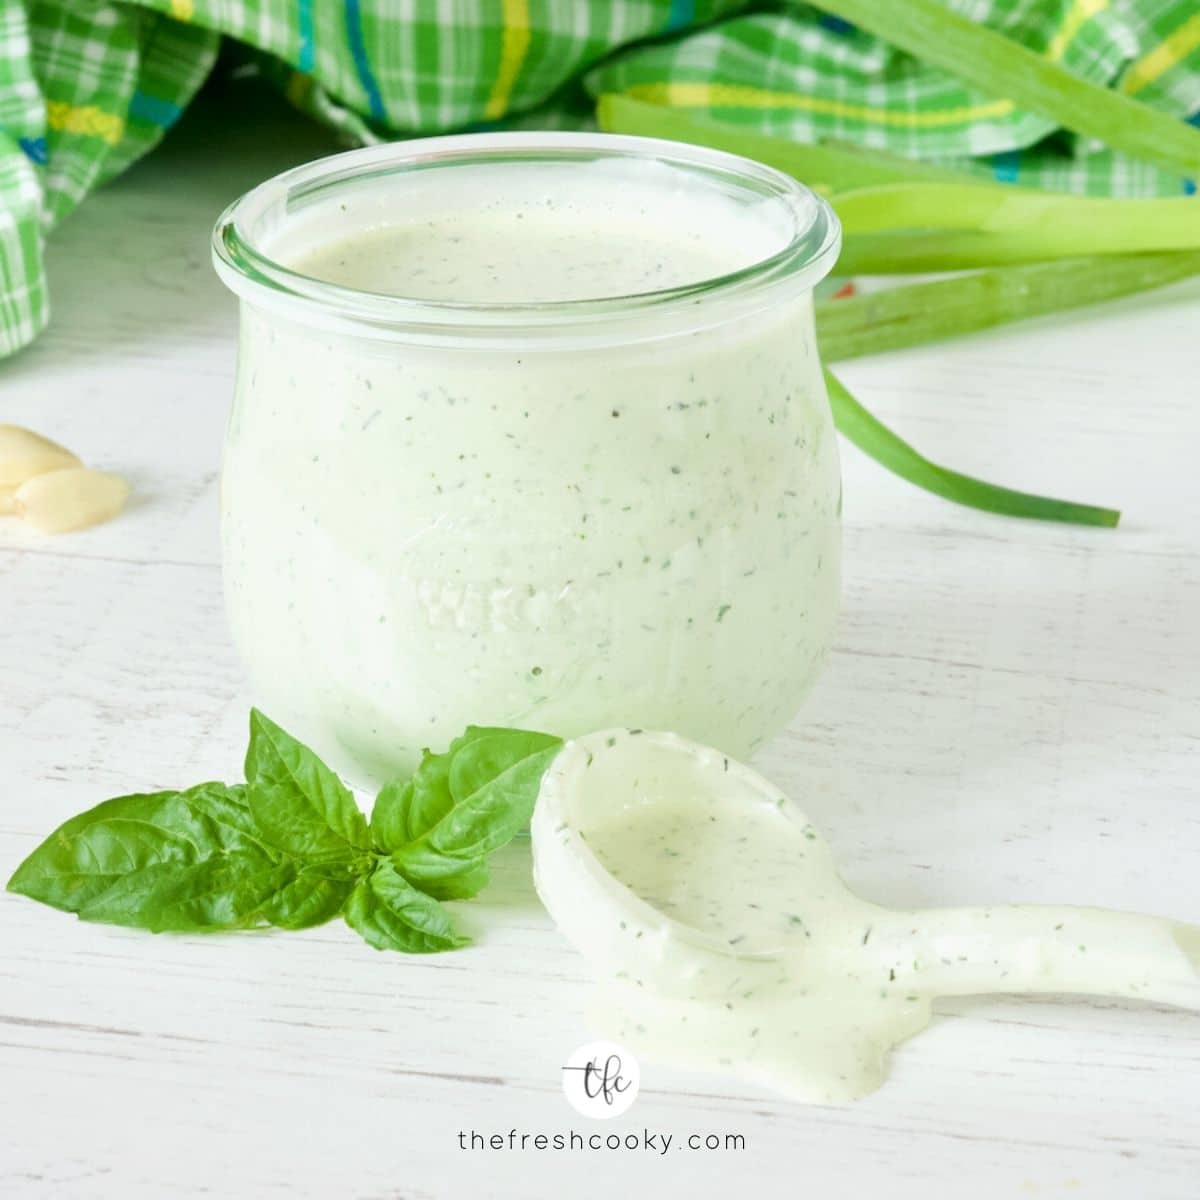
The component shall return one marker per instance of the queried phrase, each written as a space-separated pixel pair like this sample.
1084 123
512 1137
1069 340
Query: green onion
1001 67
875 439
822 168
895 210
925 312
928 251
912 227
1068 224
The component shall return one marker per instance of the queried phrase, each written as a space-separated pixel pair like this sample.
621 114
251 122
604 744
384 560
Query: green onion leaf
904 228
926 312
1001 67
874 438
901 216
924 252
1069 224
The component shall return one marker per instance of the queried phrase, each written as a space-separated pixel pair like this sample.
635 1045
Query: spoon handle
1035 948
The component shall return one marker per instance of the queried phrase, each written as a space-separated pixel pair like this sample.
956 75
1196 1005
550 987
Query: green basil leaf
445 877
181 861
300 805
460 806
405 809
487 759
309 898
390 914
224 891
91 852
290 847
226 806
492 781
389 814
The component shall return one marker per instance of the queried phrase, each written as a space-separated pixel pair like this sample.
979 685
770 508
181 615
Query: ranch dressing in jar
529 430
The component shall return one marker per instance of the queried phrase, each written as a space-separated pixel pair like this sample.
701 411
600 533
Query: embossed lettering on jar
529 430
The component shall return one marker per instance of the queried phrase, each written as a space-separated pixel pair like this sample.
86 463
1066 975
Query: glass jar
574 511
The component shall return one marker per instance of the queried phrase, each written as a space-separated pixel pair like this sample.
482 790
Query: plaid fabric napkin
87 86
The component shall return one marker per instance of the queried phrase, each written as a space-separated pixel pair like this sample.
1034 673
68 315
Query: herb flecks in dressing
546 530
723 937
670 852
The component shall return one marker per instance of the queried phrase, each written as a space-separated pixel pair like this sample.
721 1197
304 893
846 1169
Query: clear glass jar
562 514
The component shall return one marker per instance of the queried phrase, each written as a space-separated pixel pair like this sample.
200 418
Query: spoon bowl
636 917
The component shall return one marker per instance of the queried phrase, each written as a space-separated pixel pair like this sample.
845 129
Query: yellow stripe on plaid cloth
1173 49
87 120
1081 12
729 95
514 46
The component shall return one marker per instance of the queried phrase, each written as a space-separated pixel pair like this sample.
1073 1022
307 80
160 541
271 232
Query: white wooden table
1012 712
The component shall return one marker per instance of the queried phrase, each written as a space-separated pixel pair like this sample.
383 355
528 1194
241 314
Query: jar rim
253 274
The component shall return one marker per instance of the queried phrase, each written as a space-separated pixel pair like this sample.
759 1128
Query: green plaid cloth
87 86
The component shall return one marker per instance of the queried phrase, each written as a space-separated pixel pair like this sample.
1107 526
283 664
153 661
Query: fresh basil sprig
290 848
442 824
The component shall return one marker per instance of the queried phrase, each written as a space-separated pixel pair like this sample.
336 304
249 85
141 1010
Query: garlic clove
25 454
72 498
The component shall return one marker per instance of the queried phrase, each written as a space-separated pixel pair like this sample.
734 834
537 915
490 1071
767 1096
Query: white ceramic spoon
713 915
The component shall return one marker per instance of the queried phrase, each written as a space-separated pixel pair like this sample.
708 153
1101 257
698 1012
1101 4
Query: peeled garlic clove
73 498
24 454
8 501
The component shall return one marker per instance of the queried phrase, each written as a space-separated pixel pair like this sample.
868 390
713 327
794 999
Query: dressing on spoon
723 937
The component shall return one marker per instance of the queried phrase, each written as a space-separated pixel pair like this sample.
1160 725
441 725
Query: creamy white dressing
704 857
420 536
504 233
525 256
723 938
